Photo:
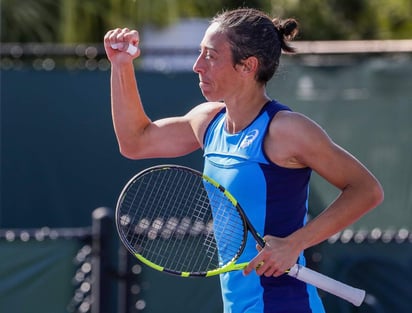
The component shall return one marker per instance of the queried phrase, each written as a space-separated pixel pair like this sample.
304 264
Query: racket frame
229 266
351 294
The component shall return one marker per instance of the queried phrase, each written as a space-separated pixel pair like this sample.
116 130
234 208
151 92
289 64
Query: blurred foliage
349 19
29 20
74 21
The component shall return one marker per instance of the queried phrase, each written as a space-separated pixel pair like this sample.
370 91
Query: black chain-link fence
73 270
53 93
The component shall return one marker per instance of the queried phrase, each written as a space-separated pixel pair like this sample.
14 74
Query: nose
197 68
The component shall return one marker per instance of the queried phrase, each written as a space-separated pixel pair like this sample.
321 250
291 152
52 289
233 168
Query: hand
278 255
121 39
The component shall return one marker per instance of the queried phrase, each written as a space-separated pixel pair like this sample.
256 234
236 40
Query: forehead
214 38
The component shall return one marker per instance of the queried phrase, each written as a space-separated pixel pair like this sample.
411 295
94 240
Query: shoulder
206 109
291 137
201 116
289 124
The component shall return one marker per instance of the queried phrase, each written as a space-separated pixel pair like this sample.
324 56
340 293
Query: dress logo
249 138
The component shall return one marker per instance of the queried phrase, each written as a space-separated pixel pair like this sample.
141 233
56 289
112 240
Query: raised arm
138 136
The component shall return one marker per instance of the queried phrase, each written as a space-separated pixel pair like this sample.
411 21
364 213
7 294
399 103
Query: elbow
380 195
130 153
376 195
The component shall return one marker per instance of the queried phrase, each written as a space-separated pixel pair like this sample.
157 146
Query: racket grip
130 49
337 288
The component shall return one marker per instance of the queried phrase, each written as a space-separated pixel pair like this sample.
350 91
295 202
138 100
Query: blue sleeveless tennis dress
275 200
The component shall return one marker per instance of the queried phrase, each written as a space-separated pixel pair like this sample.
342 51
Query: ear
250 65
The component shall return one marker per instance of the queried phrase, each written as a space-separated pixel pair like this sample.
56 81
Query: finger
248 269
269 271
117 35
133 37
277 273
110 37
264 269
120 36
123 40
129 41
253 265
126 35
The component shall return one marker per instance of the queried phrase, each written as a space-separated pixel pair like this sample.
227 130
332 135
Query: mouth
204 85
204 82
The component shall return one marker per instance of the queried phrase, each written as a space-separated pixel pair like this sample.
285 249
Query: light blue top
274 199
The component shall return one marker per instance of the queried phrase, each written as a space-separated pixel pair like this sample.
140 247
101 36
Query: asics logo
249 138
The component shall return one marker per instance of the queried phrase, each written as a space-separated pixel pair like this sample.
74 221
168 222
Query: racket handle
130 49
337 288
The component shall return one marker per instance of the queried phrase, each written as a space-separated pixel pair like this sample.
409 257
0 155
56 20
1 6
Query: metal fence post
104 280
125 277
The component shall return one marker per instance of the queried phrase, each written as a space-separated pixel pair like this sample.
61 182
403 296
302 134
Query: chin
211 98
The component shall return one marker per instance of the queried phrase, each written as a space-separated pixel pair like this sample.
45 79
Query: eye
206 54
203 53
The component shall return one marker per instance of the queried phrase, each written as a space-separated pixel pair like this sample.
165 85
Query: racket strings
179 221
229 227
171 196
188 191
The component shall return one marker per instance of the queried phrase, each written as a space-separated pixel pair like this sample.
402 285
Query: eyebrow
208 48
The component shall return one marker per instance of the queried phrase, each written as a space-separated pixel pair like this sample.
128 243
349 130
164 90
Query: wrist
299 240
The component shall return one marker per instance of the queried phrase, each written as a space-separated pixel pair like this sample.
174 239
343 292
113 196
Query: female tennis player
261 151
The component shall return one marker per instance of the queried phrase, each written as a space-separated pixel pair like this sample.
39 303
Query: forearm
129 118
350 205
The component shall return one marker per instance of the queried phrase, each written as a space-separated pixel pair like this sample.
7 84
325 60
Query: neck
243 111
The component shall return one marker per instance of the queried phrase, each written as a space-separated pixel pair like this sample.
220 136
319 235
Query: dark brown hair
251 32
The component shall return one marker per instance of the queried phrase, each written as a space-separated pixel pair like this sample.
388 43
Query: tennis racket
179 221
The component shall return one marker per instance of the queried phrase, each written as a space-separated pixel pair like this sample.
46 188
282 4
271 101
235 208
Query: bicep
318 151
168 137
175 136
297 141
